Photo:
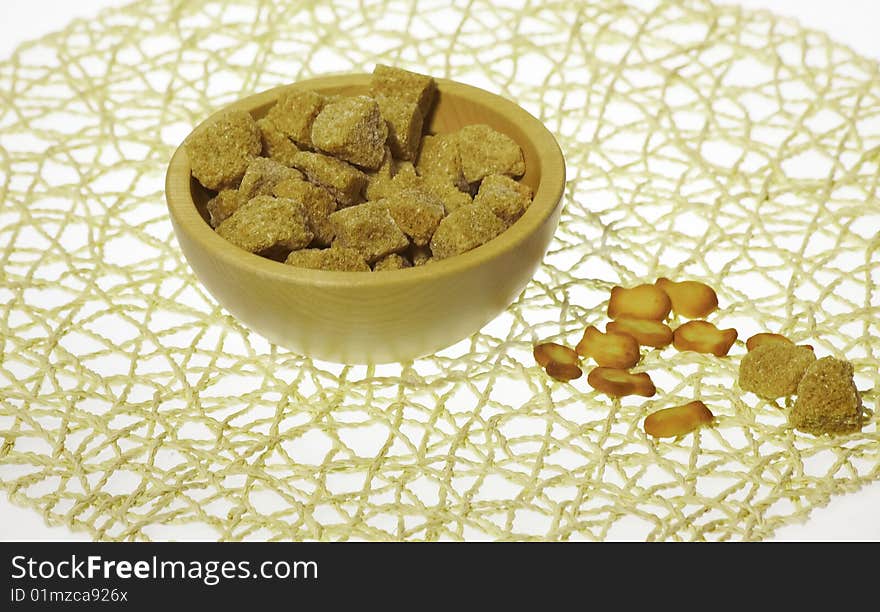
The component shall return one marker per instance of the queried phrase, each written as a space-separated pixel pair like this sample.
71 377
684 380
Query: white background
852 22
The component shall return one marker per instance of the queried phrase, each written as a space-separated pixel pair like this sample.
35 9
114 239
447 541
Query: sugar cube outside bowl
378 317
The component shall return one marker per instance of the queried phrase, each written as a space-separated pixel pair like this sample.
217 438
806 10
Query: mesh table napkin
702 142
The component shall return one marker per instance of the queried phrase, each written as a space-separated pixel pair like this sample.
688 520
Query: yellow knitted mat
702 142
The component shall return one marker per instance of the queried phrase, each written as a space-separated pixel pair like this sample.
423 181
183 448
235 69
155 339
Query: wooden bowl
363 317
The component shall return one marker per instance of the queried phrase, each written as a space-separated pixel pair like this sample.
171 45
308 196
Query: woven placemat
702 142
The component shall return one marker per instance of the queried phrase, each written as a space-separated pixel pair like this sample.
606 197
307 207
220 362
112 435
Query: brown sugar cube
276 145
220 152
379 181
416 212
464 229
485 151
504 196
395 177
369 229
419 255
827 399
391 262
451 197
352 128
774 370
388 168
338 259
294 114
317 205
344 182
440 161
391 179
264 223
262 175
404 126
221 206
404 85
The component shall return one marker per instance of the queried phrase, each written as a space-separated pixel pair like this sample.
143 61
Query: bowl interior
456 107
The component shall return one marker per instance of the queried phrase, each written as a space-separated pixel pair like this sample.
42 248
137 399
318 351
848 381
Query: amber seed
691 299
703 337
678 420
639 302
620 383
765 338
563 372
549 352
610 349
646 332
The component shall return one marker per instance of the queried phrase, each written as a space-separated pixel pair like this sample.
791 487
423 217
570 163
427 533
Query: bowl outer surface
359 317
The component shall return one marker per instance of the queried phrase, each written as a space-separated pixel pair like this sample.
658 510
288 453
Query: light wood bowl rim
546 197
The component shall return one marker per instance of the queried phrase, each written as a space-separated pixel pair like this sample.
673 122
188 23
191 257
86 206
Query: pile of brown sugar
827 402
352 183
